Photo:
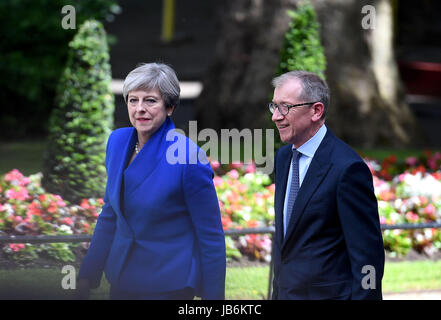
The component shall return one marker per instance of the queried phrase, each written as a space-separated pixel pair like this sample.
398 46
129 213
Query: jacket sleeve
94 262
358 211
202 203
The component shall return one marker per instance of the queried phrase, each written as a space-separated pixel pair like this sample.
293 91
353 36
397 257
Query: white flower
66 228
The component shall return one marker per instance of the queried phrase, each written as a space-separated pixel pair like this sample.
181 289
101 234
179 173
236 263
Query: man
328 242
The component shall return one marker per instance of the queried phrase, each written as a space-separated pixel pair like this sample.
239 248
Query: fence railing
229 232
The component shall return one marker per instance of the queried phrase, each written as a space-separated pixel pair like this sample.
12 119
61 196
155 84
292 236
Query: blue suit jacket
334 229
160 227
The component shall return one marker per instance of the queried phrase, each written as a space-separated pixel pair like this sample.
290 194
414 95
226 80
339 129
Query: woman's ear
170 110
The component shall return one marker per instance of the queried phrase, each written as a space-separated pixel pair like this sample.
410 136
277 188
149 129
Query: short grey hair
314 88
154 75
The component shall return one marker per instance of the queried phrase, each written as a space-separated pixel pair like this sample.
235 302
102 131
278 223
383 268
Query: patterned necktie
294 188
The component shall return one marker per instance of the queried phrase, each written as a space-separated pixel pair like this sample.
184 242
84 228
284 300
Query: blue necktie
294 188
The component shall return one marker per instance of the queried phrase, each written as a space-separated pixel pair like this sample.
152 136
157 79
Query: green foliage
302 49
82 119
33 52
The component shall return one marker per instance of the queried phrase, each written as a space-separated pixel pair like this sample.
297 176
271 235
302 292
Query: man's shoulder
343 154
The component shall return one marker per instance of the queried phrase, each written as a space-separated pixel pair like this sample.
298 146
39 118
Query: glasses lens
283 109
271 107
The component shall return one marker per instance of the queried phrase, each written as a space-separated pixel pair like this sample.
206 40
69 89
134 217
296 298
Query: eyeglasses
284 108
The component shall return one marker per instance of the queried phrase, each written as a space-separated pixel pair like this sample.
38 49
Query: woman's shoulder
121 133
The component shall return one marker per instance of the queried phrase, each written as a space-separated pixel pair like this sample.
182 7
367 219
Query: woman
159 234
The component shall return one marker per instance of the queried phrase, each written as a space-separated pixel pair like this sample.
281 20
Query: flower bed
26 209
408 192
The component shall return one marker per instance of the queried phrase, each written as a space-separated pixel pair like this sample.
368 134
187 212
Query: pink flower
13 175
382 220
24 182
60 202
233 174
236 165
411 161
1 207
251 168
215 164
430 209
411 216
21 194
218 181
16 246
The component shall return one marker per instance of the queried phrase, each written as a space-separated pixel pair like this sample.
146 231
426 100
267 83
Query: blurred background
205 40
383 68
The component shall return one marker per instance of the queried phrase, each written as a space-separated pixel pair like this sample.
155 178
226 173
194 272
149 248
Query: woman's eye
150 101
132 100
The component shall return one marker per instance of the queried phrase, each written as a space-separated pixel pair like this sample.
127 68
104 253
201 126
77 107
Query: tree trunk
368 105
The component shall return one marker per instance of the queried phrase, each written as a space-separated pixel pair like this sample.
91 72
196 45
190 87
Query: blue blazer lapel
147 159
317 171
122 157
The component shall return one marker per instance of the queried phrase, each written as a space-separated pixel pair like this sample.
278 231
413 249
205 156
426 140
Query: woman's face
147 111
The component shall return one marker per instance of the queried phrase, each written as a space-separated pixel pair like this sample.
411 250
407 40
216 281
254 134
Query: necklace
137 147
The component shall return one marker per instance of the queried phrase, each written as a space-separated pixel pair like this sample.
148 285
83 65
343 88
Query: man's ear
318 109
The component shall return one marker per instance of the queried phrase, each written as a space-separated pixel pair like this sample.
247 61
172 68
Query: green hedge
82 120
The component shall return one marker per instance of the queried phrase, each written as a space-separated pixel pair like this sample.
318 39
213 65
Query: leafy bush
33 52
302 49
82 121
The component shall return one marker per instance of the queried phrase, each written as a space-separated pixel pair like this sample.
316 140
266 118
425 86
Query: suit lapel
147 159
282 178
317 171
126 143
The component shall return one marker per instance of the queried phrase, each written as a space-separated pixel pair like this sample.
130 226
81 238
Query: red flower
34 209
67 221
52 207
85 204
226 222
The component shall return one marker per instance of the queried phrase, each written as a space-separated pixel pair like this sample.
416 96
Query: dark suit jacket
160 228
334 229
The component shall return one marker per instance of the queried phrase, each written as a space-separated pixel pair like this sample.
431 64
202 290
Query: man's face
295 127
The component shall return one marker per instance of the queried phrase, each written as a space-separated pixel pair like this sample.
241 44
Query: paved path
415 295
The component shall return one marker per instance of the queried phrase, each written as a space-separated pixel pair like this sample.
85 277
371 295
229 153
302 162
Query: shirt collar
310 147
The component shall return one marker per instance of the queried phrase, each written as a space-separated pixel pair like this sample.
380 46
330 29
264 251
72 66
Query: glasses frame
289 106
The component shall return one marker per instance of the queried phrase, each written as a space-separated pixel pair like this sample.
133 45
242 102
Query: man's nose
276 115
